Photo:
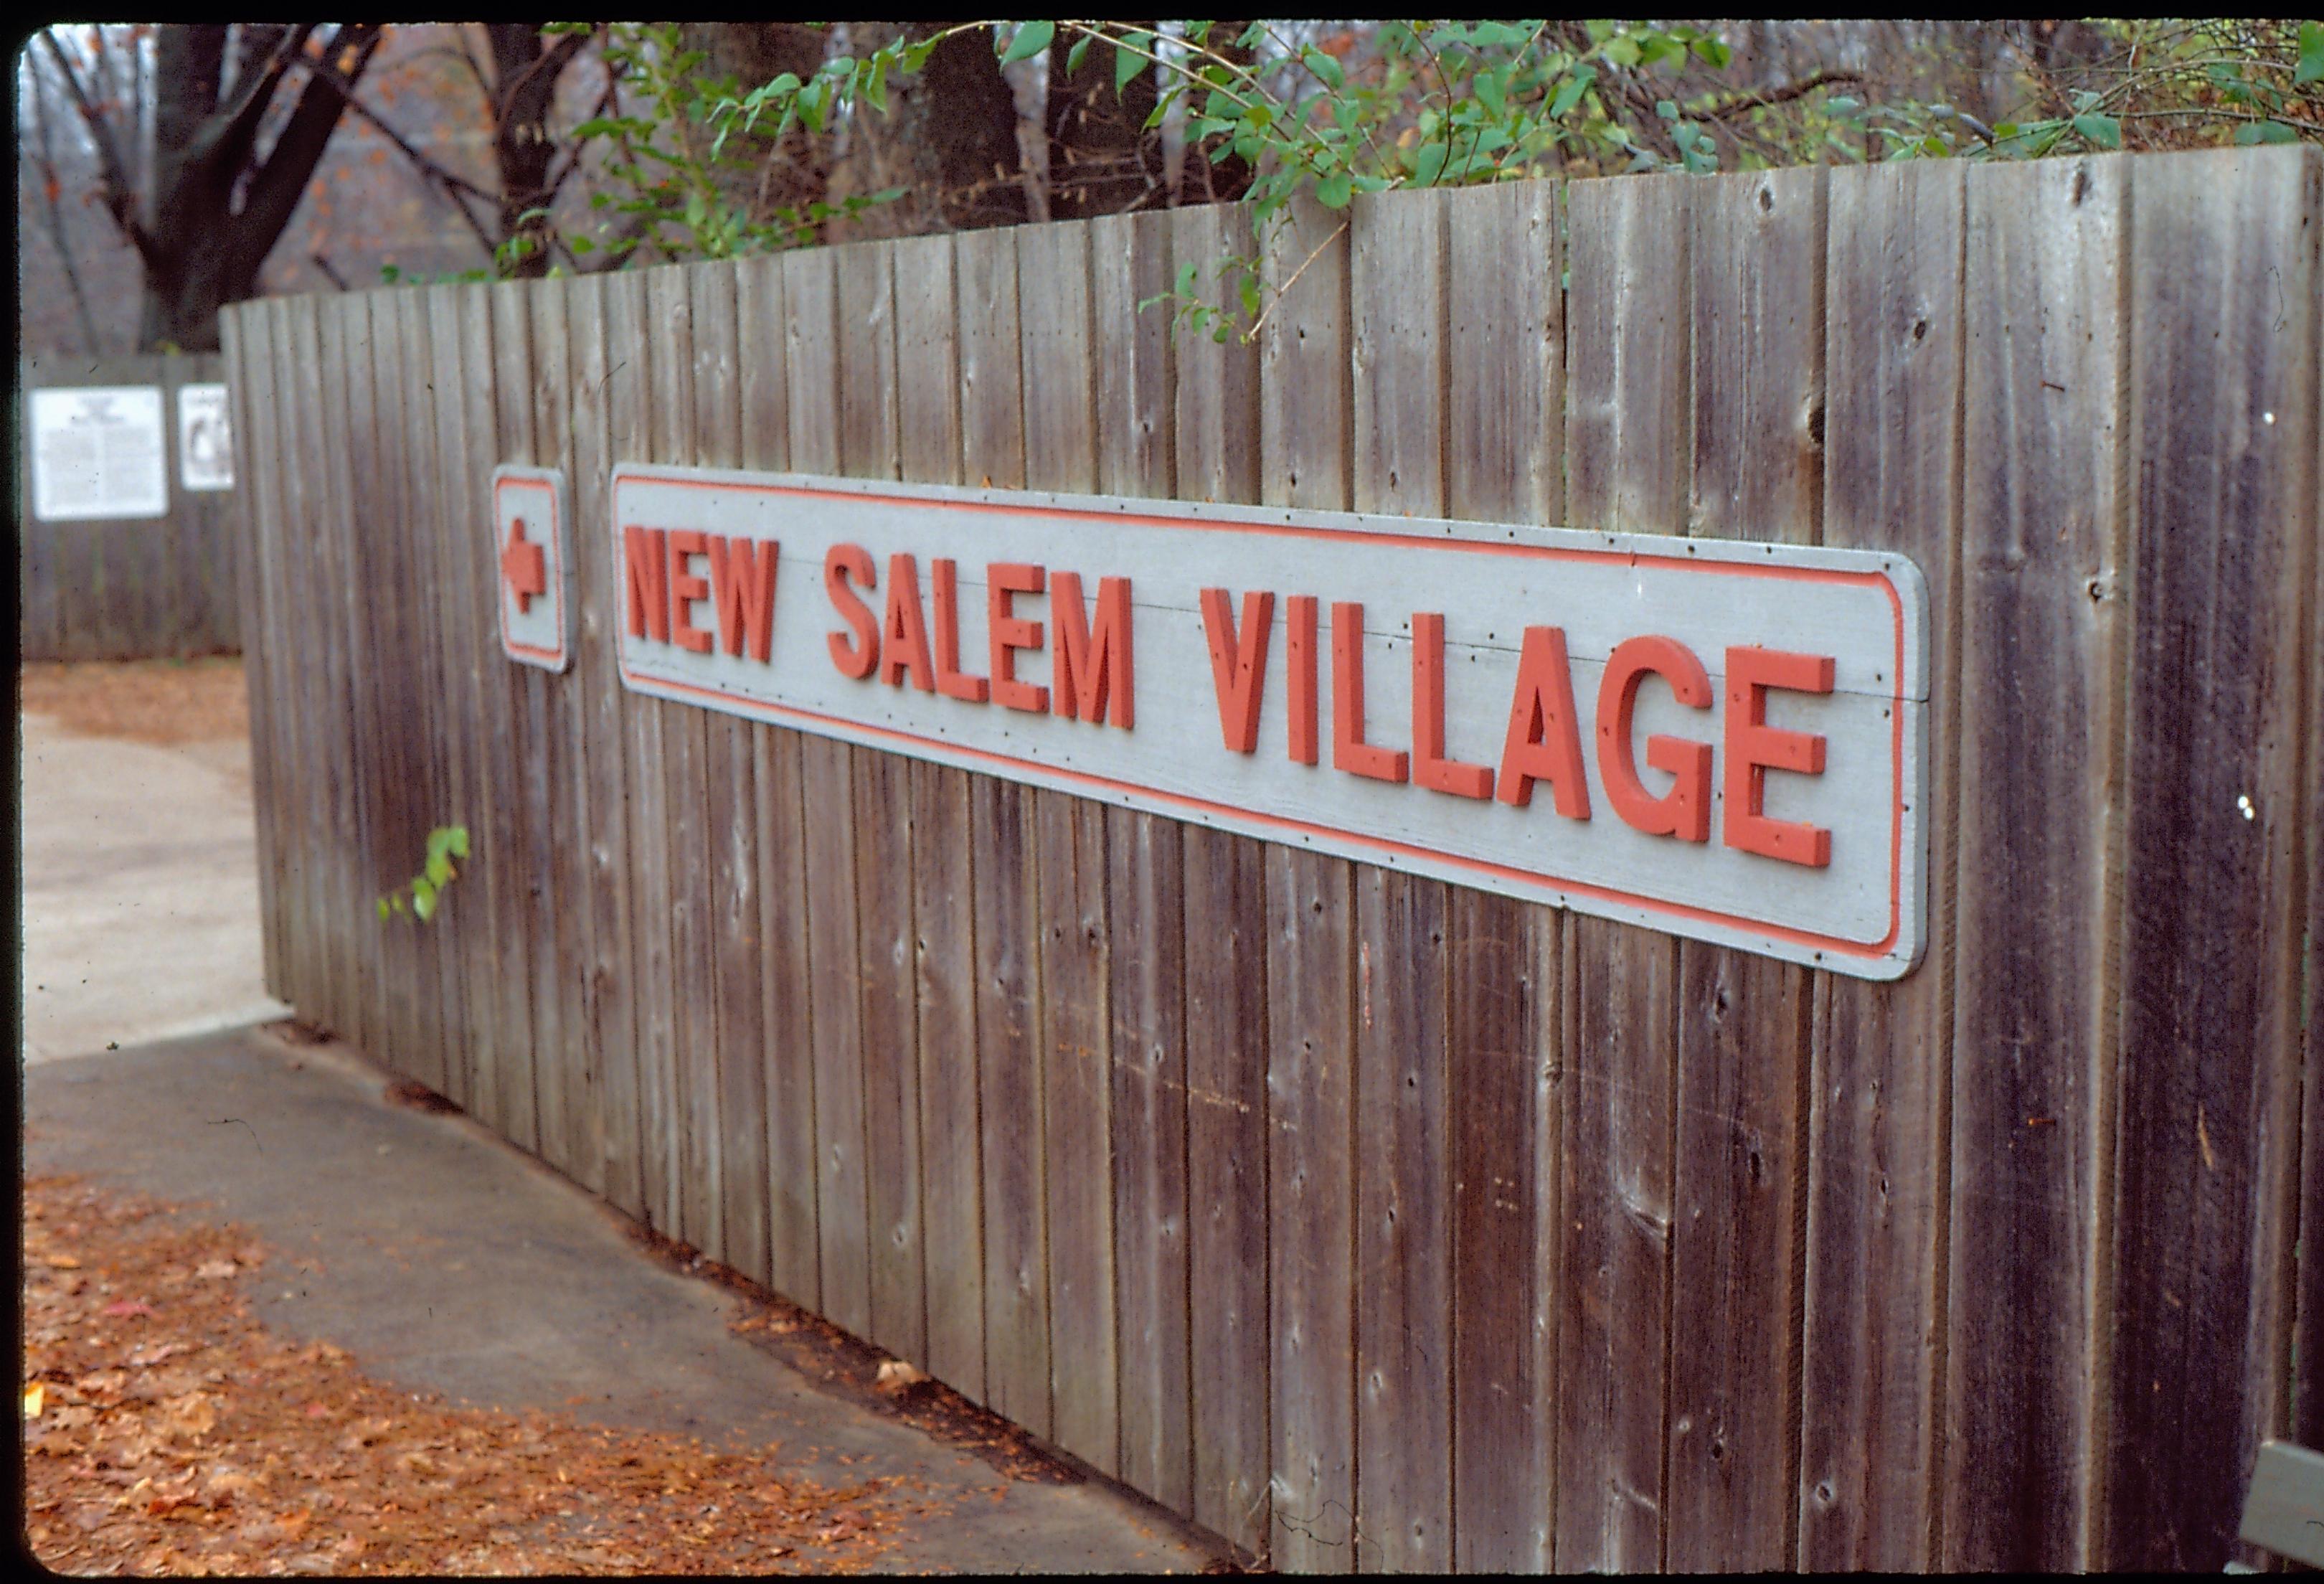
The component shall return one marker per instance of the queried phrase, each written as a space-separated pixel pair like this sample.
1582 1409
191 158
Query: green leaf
1030 41
875 86
1569 92
1127 62
1486 86
2311 54
1076 55
1712 52
2259 132
2103 131
1326 68
1622 51
439 871
1333 191
424 899
458 843
382 909
1428 163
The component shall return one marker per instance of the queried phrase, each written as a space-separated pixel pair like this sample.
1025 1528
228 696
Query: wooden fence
1366 1219
126 588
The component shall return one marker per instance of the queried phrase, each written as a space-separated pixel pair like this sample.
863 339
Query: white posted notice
205 439
98 452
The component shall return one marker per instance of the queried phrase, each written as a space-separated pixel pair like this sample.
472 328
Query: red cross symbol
524 568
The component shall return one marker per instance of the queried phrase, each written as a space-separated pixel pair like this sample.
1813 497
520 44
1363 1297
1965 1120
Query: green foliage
425 889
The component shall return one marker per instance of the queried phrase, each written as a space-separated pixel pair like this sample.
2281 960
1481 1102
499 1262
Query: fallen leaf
35 1395
896 1376
217 1269
125 1308
61 1262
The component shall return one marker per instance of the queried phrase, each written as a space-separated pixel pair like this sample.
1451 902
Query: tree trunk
1102 160
949 140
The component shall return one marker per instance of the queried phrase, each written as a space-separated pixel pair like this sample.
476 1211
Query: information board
98 453
204 437
1723 740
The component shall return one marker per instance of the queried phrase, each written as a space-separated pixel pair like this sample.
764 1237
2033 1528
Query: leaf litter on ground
167 1430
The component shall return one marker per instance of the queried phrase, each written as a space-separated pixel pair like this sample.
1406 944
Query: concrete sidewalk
444 1259
140 890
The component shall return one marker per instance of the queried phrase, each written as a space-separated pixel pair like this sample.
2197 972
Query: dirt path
139 855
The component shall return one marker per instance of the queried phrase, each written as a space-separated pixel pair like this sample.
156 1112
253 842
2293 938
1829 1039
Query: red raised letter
685 587
743 577
1349 752
1006 633
1093 662
1754 747
1238 661
1430 767
1299 676
906 636
951 680
644 558
1685 811
1544 740
840 564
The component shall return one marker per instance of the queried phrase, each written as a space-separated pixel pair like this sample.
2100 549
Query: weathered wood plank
737 1154
1739 1165
1216 420
514 997
607 1009
349 339
1130 263
1060 373
811 308
2307 1326
2224 287
1404 1192
1504 460
693 1072
788 1080
1627 454
2041 601
1881 1097
568 1074
1008 996
869 402
1305 421
633 394
928 442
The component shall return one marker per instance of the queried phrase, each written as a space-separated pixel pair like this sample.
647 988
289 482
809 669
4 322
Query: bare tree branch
454 185
50 189
120 197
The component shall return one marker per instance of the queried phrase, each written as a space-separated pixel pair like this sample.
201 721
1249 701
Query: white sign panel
532 535
1722 740
98 453
205 439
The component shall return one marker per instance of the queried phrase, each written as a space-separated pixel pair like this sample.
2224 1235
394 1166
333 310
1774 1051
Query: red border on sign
558 656
1837 944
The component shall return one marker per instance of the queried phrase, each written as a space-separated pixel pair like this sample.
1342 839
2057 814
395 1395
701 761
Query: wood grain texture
951 1193
2042 623
1008 998
869 401
826 789
1131 263
1740 1160
1882 1094
1216 420
1304 422
1060 374
2224 286
1404 1191
520 812
690 1068
1505 404
247 389
347 330
1627 469
762 328
739 1155
604 1008
633 395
